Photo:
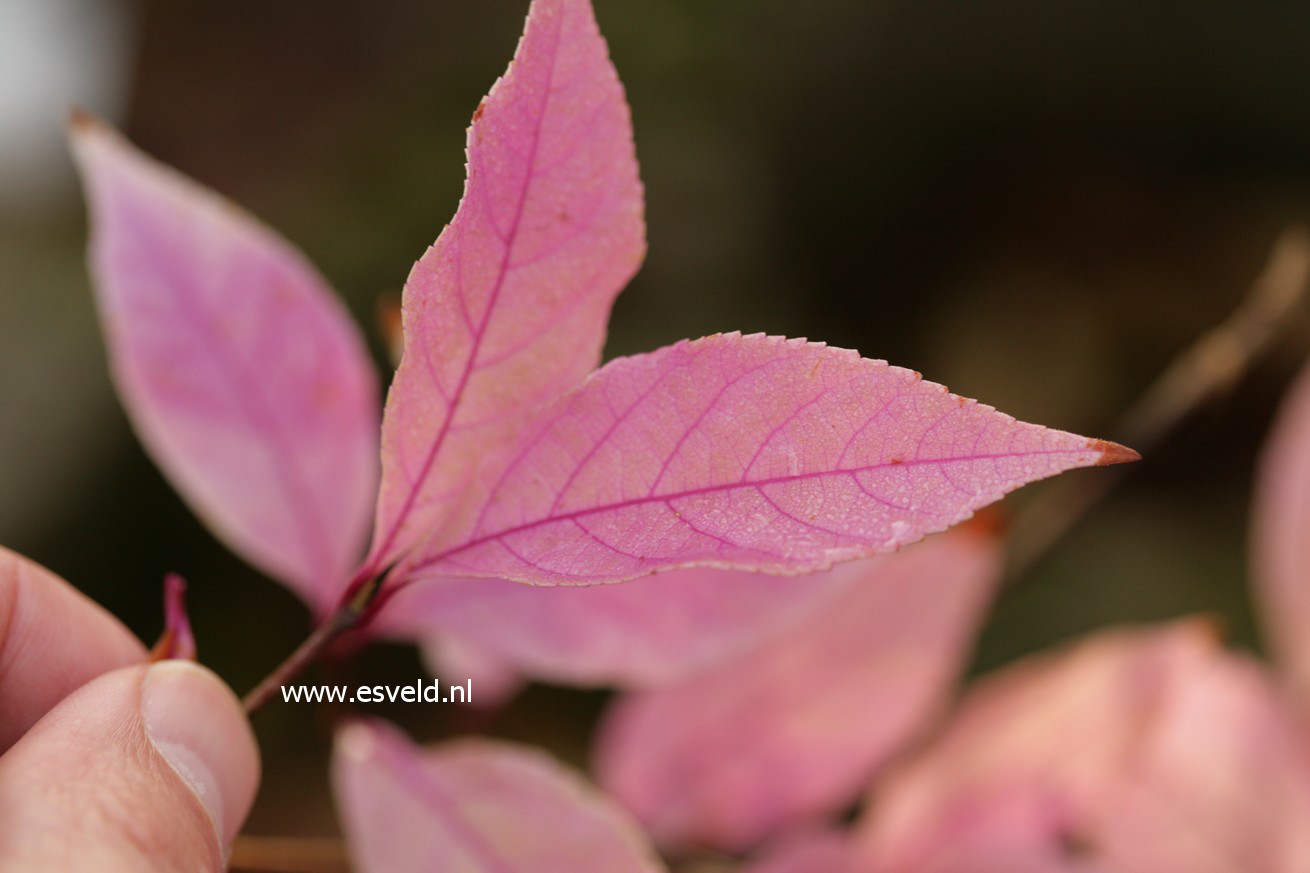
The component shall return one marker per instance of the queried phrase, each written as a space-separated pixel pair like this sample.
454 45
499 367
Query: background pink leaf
242 374
475 807
1221 785
1281 537
1140 752
450 658
795 727
819 851
754 453
641 633
508 309
1032 752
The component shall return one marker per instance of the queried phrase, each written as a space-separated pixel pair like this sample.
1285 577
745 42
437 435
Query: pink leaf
243 376
1006 830
508 309
1033 751
795 727
824 851
754 453
450 657
1139 752
1281 537
640 633
474 806
1221 784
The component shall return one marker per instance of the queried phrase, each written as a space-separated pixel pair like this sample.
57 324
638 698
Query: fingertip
198 726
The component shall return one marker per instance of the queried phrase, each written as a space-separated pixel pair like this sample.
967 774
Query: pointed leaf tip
743 452
177 642
508 308
1113 453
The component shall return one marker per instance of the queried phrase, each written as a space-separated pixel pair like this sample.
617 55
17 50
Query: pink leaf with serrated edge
1143 751
508 309
795 727
638 634
243 376
474 806
1281 537
743 452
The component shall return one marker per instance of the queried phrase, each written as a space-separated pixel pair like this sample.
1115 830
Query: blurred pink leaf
1149 751
821 851
744 452
1281 538
645 632
242 374
450 657
980 846
794 728
1220 785
508 309
474 806
1033 751
1002 830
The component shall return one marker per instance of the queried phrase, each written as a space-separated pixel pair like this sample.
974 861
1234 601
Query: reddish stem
355 608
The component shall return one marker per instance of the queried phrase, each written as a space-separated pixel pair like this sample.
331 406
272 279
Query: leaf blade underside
507 310
740 452
241 372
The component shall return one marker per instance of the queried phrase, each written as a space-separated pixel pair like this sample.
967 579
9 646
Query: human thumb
147 768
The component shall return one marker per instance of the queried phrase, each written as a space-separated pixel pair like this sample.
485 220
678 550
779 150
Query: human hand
108 763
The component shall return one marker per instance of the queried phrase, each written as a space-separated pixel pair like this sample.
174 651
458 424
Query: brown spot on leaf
477 113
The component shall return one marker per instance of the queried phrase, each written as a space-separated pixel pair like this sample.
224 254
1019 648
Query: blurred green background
1038 204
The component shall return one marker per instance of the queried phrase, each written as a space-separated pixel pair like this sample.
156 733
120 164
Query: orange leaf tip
1113 453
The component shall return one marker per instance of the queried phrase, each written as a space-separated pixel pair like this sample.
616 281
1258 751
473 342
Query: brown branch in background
1204 372
289 855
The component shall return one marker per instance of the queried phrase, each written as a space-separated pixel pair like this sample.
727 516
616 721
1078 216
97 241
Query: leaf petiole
355 608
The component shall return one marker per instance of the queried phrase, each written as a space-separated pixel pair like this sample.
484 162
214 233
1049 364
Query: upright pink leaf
1281 537
474 806
641 633
243 376
508 309
177 641
795 727
1152 751
753 453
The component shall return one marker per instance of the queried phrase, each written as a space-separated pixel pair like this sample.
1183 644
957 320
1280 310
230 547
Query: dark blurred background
1038 204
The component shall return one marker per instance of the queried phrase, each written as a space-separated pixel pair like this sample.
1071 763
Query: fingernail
198 726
